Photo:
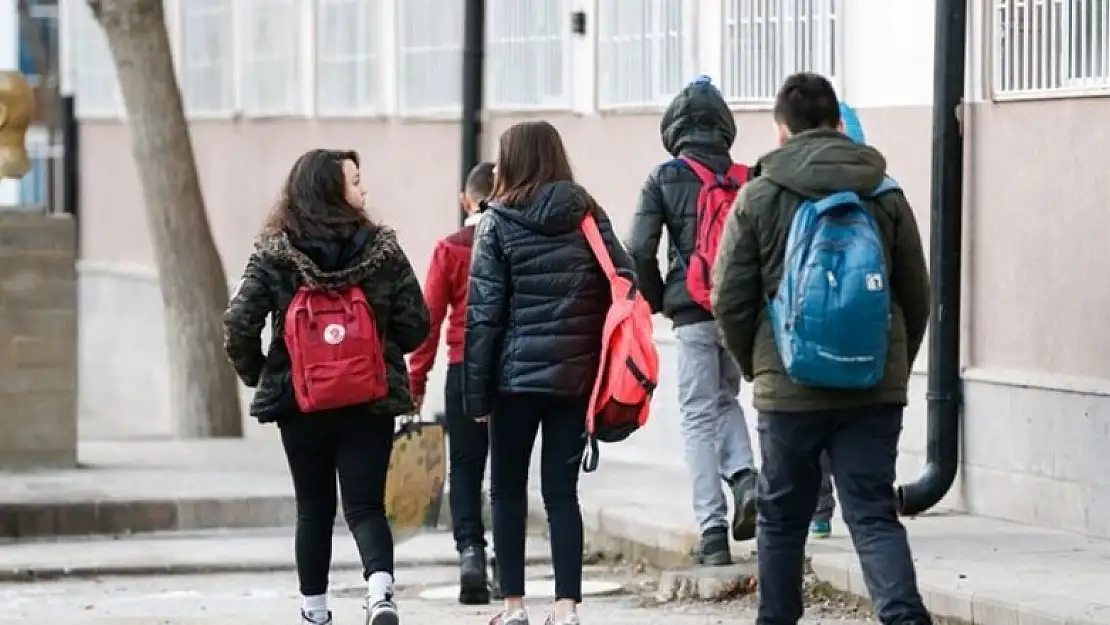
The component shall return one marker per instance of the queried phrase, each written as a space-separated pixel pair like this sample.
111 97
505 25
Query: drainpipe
946 226
473 83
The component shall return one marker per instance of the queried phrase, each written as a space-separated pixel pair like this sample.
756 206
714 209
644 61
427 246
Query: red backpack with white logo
718 193
334 348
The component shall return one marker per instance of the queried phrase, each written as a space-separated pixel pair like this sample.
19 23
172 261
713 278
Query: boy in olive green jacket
859 429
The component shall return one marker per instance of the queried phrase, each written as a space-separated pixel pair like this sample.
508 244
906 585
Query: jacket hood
556 208
699 123
852 126
819 162
327 264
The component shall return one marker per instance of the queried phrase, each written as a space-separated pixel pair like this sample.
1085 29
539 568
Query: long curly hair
313 202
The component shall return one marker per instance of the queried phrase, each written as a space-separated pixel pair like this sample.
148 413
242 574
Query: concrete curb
83 518
52 573
666 548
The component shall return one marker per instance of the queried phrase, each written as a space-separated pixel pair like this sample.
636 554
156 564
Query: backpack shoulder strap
739 172
886 186
597 246
703 172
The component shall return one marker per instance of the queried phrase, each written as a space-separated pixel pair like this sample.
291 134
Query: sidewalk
158 485
970 568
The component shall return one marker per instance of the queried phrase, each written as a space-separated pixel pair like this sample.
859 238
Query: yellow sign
417 472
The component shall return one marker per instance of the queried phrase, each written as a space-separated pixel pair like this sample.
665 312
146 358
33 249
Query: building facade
264 80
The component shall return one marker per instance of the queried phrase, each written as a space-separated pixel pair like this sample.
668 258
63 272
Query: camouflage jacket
277 268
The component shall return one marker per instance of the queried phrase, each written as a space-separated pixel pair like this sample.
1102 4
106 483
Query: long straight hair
530 155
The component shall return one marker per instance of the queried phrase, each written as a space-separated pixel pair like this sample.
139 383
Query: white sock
316 606
379 585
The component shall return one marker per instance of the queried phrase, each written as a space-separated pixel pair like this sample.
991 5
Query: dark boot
713 550
742 486
473 582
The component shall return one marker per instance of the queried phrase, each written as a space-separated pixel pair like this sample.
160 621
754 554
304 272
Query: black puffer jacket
537 299
697 124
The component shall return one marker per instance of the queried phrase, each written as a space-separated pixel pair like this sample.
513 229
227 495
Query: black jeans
356 447
513 427
469 446
862 445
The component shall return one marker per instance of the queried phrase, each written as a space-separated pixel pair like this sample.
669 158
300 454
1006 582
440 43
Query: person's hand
417 403
482 419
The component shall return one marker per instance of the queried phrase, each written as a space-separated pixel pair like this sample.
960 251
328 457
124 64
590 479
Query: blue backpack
831 313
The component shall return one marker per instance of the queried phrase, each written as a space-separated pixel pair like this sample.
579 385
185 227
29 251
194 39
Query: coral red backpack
334 348
718 193
629 369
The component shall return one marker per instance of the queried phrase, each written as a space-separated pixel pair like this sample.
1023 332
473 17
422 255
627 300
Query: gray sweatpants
717 444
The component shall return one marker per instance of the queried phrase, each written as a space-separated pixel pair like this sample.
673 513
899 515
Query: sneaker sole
383 618
743 525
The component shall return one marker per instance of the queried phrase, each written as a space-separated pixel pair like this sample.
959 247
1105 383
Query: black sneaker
473 581
713 549
742 486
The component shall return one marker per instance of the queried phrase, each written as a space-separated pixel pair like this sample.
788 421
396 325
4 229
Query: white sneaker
381 611
309 620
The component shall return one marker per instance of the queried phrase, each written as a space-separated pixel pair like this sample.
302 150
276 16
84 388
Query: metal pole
946 242
473 85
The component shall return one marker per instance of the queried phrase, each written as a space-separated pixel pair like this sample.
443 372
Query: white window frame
751 77
443 50
1044 50
513 38
353 59
647 27
82 41
290 59
227 101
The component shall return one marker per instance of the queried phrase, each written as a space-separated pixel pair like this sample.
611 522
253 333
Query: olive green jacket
749 266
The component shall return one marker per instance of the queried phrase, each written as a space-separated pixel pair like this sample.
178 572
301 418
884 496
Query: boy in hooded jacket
858 428
697 125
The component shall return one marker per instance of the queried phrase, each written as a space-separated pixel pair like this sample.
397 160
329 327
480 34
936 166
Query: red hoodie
448 277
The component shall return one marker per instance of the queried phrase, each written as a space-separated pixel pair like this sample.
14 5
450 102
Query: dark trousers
516 420
355 446
862 444
469 445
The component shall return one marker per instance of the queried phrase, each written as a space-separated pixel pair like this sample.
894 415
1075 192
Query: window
643 51
767 40
528 45
90 61
1045 48
347 57
207 57
430 57
271 68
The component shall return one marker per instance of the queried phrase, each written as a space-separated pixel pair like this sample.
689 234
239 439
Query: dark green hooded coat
750 260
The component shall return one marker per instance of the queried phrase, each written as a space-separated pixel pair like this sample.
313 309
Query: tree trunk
204 390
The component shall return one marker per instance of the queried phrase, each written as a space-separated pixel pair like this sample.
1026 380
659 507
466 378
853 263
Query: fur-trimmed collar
381 247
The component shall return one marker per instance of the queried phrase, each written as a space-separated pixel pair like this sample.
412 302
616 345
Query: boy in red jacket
445 290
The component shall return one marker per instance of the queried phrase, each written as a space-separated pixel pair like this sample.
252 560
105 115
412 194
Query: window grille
1050 48
92 70
348 74
207 59
429 57
642 52
768 40
271 63
528 49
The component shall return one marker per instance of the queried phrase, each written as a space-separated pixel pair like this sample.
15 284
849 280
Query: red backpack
718 193
334 348
629 369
